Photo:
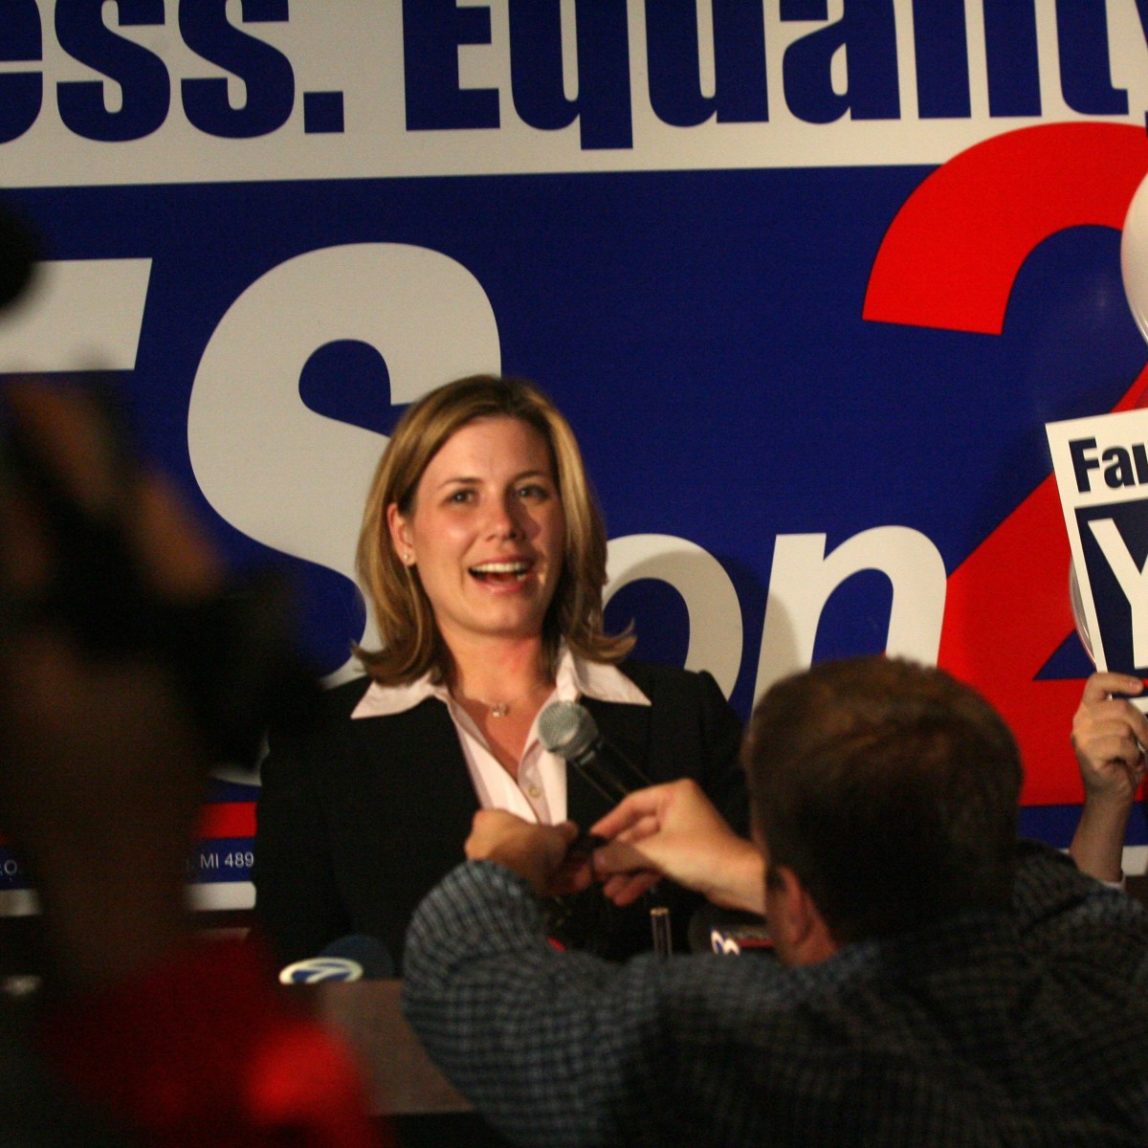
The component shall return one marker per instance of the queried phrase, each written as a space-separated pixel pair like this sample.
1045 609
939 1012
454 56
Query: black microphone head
321 970
353 958
370 953
18 254
567 729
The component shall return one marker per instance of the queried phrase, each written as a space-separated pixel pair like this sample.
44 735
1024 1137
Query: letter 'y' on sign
1130 577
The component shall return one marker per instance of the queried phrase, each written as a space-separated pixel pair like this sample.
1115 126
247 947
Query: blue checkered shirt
1023 1028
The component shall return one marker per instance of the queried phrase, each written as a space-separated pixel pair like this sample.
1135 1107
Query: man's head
888 790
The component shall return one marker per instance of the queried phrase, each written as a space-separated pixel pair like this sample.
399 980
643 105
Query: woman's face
487 531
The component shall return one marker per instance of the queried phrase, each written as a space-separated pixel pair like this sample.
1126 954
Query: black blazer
358 820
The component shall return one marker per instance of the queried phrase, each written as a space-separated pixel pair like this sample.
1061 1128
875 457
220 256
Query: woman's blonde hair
411 643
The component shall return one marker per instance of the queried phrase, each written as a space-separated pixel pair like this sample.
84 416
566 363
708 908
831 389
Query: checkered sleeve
1064 915
553 1048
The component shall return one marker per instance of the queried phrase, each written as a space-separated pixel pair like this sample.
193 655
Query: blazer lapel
419 768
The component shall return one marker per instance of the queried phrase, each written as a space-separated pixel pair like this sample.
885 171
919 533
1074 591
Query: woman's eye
461 496
534 491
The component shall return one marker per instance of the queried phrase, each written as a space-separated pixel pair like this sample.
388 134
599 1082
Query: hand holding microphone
674 831
654 831
569 730
540 853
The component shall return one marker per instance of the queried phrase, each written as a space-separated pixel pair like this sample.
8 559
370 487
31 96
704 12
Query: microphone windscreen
356 957
728 932
370 953
321 970
567 729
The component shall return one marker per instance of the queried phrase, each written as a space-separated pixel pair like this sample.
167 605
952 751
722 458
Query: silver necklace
501 709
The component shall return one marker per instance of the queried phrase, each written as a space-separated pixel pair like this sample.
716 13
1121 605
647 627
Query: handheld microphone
729 932
733 940
356 957
568 730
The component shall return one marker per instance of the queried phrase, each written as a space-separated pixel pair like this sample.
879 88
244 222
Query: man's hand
537 852
1108 734
674 831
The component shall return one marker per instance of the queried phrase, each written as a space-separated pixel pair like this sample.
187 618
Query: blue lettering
536 67
141 75
432 33
1011 51
1085 77
21 93
867 31
265 70
739 63
939 43
602 106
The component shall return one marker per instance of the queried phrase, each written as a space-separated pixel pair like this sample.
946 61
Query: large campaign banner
809 277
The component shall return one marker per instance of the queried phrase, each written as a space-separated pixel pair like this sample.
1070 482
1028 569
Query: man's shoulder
1047 879
1062 913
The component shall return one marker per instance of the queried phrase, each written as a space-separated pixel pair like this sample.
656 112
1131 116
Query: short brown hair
411 643
889 788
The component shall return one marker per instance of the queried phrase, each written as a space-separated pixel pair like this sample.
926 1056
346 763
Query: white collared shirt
539 794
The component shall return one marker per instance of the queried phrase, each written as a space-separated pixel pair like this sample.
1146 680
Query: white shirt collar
575 678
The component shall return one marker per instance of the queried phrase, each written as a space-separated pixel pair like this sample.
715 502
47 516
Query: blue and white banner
809 277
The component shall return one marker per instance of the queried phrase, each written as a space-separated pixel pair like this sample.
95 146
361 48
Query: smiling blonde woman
483 557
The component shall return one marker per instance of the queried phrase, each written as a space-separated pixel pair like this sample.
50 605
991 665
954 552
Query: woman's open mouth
512 571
